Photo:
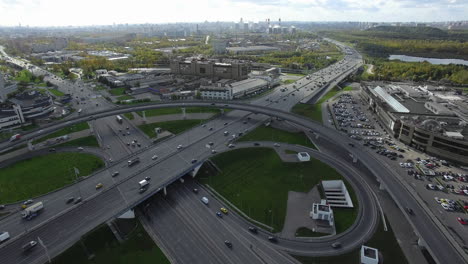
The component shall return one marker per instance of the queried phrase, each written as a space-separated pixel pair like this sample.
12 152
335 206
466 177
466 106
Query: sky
107 12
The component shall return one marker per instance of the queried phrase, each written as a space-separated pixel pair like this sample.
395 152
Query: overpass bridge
124 194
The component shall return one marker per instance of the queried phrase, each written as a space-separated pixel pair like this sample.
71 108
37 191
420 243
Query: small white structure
303 156
369 255
336 193
127 215
322 211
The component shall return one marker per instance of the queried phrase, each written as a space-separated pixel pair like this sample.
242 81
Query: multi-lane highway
173 163
424 225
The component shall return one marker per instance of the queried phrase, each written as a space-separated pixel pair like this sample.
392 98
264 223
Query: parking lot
442 186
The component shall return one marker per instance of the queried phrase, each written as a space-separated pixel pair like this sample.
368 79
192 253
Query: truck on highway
4 236
32 211
15 137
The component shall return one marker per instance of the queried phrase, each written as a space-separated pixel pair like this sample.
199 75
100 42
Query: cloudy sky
105 12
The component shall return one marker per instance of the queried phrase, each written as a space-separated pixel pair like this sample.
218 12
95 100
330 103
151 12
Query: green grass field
257 181
42 174
384 241
5 135
64 131
171 111
315 111
89 141
288 81
125 97
129 116
175 127
56 92
101 242
268 133
117 91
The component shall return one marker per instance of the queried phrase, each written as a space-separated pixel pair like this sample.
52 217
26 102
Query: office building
430 119
322 212
236 70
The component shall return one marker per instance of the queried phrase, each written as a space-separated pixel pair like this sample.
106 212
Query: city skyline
58 13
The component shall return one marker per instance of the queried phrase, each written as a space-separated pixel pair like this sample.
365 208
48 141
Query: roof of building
247 84
251 48
370 252
390 100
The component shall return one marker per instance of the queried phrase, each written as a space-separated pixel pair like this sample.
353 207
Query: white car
179 147
403 165
445 206
213 151
154 157
276 144
437 200
80 148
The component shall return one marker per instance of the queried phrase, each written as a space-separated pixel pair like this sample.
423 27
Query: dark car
194 160
256 144
52 150
409 210
336 245
29 245
69 200
272 239
218 214
195 190
228 243
2 206
78 200
253 229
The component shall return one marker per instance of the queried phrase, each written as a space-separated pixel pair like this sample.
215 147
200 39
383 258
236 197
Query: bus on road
119 119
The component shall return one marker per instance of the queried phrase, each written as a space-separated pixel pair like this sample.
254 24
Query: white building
216 93
5 90
248 87
303 156
336 193
11 118
322 211
369 255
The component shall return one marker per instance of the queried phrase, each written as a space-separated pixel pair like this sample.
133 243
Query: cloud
89 12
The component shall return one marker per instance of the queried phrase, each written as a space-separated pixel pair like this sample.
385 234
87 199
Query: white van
204 200
4 236
143 183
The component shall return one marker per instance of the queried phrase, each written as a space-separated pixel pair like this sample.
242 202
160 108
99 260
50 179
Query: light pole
45 248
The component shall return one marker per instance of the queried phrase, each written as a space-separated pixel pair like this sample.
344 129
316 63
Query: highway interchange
65 228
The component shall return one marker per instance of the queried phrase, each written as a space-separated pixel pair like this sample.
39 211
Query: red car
462 221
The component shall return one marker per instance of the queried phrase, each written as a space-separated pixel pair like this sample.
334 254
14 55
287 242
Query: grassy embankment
257 182
42 174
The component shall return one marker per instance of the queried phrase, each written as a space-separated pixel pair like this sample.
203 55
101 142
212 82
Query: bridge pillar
181 180
421 243
381 187
184 115
222 111
30 145
165 191
144 116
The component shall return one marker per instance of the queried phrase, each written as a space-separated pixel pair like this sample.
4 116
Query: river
430 60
